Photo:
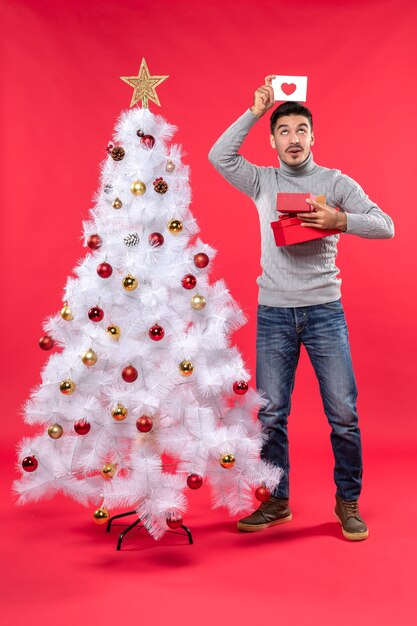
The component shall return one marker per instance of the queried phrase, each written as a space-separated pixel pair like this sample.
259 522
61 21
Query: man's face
292 139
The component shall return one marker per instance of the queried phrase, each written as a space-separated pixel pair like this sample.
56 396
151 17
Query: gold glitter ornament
66 313
170 166
175 227
67 387
144 86
186 368
113 331
227 460
117 203
55 431
119 413
138 188
130 283
108 470
101 516
89 357
198 302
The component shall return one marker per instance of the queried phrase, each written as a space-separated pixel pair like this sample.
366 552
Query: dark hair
290 108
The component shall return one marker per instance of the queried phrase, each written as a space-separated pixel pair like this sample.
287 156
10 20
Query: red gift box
287 230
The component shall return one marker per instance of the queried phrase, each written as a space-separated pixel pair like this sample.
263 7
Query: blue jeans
322 330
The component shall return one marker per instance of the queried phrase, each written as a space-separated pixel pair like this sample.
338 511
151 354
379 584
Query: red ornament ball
94 242
201 260
194 481
156 239
156 332
174 522
240 387
129 374
262 494
104 270
148 141
144 424
82 427
189 281
30 463
96 314
46 342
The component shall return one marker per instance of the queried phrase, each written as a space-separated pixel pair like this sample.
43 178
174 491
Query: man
299 298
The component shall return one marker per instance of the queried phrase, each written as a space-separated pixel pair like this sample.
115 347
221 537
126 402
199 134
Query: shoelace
351 508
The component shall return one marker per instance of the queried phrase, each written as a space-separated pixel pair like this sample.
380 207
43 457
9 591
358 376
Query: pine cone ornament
117 153
160 185
131 240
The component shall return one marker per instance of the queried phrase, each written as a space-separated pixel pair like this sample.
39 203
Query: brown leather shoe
353 526
272 512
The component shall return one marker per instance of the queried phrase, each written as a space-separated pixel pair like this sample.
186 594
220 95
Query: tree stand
135 523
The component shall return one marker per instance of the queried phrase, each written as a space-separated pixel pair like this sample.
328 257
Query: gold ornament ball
66 313
67 387
55 431
114 331
119 413
175 227
138 188
130 283
227 460
89 357
198 302
117 203
101 516
186 368
108 470
170 167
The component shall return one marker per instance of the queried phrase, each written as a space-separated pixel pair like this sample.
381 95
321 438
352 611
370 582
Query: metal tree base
135 523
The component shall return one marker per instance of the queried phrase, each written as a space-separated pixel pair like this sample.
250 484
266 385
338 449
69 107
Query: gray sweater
302 274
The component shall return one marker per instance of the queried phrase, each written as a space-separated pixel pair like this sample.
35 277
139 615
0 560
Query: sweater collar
298 170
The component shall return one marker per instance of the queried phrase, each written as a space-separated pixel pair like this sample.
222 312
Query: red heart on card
288 88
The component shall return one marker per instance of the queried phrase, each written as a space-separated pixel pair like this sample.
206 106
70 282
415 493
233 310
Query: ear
312 139
272 140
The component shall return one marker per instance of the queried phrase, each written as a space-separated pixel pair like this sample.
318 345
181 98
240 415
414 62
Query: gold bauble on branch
130 283
175 227
67 387
113 331
117 203
186 368
170 166
138 188
108 470
119 412
101 516
227 460
66 313
89 357
55 431
198 302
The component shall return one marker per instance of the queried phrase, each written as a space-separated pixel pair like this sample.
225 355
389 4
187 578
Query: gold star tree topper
144 86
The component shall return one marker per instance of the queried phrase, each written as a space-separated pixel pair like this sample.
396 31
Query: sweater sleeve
231 165
364 217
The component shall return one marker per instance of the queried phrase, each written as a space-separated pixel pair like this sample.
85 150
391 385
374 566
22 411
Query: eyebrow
298 126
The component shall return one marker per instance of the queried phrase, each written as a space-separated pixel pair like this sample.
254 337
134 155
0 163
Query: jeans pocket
336 305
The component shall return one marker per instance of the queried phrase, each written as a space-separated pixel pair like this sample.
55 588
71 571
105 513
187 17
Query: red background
61 95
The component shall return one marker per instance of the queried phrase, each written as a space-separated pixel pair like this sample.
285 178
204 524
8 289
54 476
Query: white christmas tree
145 369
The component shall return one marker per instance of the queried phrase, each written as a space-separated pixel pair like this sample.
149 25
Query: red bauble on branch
129 374
156 332
148 141
262 494
144 424
82 427
194 481
104 270
46 342
96 314
240 387
189 281
30 463
156 240
94 242
201 260
174 521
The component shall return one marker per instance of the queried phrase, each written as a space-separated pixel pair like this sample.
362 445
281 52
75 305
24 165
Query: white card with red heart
290 88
